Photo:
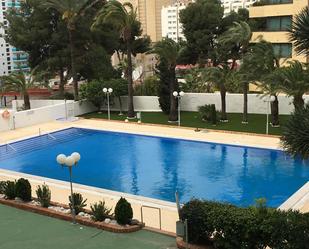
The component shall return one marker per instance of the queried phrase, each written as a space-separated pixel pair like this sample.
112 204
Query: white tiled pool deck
298 201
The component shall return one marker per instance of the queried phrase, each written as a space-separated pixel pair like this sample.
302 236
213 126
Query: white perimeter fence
44 113
49 110
191 102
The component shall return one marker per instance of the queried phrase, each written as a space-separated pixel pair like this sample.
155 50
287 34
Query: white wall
191 102
36 103
44 114
56 109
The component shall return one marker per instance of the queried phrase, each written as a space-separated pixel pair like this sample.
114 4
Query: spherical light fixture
181 94
175 94
61 159
76 157
70 161
110 90
105 90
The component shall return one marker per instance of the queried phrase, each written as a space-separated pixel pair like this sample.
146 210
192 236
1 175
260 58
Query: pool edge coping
137 199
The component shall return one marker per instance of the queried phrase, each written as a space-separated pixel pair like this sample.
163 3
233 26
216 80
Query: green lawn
257 122
25 230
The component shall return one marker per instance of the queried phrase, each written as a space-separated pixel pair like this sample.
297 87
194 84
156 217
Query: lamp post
108 92
69 162
178 96
268 101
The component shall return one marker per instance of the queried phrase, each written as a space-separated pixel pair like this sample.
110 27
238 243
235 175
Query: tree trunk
245 107
223 103
298 101
131 113
274 108
27 101
62 81
173 115
73 66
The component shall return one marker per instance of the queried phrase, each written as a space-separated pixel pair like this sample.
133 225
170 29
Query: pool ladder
10 146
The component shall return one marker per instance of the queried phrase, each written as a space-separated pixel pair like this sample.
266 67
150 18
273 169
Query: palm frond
299 33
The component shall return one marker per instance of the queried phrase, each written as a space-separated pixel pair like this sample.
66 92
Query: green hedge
229 227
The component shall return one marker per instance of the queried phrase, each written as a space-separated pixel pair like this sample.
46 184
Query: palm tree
222 76
124 17
299 34
294 81
168 50
258 65
295 135
71 11
238 36
20 82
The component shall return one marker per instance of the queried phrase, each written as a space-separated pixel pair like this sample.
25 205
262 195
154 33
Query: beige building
277 17
149 14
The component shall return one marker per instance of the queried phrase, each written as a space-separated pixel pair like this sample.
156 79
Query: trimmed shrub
123 212
23 189
208 113
79 202
228 226
100 212
10 190
44 195
2 186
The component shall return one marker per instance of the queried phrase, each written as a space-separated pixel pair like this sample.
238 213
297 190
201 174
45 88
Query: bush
123 212
10 190
2 186
295 135
44 195
65 95
149 87
208 113
79 202
23 189
228 226
100 212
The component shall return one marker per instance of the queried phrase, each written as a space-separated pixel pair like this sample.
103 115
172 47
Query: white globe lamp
76 157
61 159
105 90
69 161
175 94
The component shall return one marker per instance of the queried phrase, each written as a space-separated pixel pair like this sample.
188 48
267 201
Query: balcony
21 58
271 2
283 8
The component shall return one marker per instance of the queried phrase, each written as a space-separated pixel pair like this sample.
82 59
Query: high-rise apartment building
275 18
11 59
235 5
171 26
149 14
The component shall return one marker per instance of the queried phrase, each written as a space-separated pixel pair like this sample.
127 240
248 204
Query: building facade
11 58
149 14
171 26
235 5
275 17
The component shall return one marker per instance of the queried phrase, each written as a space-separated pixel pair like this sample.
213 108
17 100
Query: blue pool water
156 167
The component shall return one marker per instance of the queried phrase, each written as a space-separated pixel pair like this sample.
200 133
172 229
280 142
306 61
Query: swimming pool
156 167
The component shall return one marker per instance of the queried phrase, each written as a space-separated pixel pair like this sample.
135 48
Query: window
283 50
281 23
279 1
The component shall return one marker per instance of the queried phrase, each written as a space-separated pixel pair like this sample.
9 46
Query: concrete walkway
25 230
